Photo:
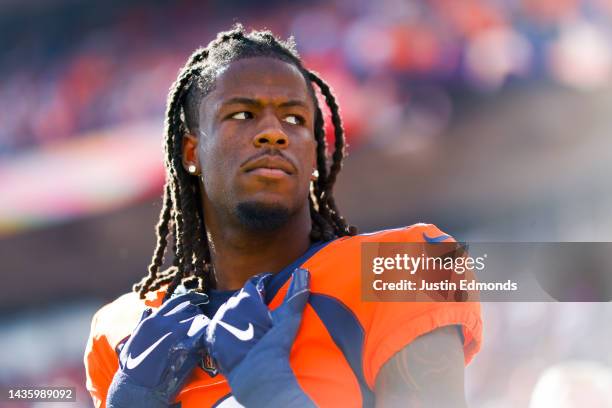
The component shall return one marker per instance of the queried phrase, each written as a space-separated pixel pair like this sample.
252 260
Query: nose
272 135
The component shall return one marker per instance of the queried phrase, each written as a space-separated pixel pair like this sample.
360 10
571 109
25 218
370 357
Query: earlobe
315 175
190 154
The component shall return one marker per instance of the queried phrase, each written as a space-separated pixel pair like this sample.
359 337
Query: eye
242 115
294 119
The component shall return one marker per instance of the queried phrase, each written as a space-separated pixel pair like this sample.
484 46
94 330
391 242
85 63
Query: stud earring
192 169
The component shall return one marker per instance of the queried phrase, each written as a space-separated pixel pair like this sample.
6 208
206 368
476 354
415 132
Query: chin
262 216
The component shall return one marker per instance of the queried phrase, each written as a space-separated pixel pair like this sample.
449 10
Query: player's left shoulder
336 268
419 232
346 251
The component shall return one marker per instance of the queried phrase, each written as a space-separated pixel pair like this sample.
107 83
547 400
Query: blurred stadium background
491 119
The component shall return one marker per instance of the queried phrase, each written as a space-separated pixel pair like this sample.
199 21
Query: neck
238 254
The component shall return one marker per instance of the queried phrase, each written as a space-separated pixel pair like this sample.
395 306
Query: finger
299 286
198 299
199 331
243 309
183 300
296 298
187 314
259 282
146 313
196 329
237 326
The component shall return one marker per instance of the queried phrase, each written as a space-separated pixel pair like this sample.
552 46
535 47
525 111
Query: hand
161 353
251 345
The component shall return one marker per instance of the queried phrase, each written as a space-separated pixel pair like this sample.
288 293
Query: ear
190 153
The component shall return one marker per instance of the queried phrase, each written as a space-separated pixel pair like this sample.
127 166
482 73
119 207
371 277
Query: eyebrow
257 103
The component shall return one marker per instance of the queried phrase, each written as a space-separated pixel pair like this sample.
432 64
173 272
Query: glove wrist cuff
123 393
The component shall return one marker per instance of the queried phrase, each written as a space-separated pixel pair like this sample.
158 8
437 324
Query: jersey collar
278 280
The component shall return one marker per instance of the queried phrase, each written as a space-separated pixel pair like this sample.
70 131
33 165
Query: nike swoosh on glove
161 353
251 345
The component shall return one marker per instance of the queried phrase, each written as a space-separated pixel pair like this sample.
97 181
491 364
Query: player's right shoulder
111 324
116 320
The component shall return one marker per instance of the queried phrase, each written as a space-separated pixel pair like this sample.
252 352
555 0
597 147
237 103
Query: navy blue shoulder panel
218 297
278 280
347 333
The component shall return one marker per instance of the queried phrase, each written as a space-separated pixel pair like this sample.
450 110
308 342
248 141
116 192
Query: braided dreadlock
181 215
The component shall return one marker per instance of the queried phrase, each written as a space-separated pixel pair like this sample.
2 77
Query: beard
262 217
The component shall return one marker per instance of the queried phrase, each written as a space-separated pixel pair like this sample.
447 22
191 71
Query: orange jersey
342 342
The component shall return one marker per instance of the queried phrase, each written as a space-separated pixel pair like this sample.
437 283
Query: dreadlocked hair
181 215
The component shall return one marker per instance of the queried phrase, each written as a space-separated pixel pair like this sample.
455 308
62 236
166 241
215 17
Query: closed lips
270 162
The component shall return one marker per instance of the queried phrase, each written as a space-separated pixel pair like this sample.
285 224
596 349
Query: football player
263 303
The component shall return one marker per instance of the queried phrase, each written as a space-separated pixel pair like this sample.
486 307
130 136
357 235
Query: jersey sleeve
393 325
110 326
396 325
100 362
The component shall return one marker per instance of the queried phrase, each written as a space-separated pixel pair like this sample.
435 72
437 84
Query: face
256 144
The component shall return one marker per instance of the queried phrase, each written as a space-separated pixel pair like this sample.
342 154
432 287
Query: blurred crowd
74 67
91 67
525 341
